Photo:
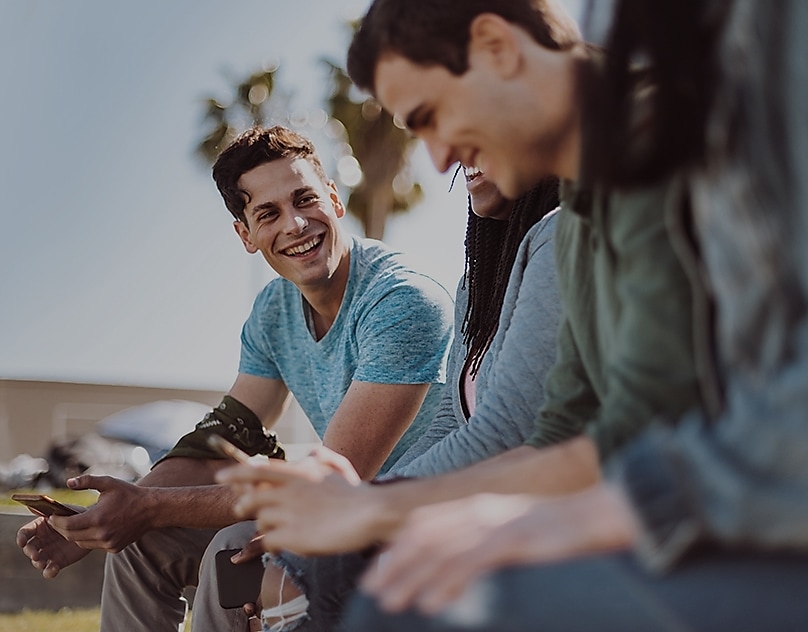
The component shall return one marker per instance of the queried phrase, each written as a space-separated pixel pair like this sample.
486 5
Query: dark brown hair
437 32
251 149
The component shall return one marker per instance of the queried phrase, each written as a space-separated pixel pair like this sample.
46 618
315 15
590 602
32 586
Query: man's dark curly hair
253 148
491 247
437 32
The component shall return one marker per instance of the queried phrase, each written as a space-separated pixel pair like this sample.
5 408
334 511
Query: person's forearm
556 470
206 506
183 493
183 471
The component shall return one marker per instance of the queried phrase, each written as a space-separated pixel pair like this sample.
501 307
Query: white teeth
471 172
302 248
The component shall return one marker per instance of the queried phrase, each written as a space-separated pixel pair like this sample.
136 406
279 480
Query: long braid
491 247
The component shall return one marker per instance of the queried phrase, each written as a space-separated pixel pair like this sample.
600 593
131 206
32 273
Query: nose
297 224
441 154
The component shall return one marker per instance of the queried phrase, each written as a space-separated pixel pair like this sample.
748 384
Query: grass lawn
64 620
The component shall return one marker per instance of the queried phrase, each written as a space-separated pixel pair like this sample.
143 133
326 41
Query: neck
325 300
570 155
553 84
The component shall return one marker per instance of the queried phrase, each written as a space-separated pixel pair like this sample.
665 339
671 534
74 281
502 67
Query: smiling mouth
304 248
471 173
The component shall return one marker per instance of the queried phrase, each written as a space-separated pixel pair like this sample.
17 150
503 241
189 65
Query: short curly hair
437 32
253 148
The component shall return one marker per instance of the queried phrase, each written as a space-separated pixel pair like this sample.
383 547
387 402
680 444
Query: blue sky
118 263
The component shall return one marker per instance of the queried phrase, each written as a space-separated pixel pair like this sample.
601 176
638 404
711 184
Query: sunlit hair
437 32
491 248
253 148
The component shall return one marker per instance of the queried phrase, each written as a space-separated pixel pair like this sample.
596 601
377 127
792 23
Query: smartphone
224 447
44 505
238 583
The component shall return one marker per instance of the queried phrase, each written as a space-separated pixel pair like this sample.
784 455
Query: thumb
88 481
251 550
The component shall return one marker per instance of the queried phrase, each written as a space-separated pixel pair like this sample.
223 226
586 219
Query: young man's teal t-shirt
394 327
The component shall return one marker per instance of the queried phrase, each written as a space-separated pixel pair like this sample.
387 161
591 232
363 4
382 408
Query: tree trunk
381 201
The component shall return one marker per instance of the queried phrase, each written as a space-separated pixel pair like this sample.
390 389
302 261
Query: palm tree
251 105
381 147
376 147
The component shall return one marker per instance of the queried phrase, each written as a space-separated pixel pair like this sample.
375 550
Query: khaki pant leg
143 584
208 615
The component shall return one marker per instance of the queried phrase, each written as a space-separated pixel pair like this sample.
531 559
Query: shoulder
278 303
540 234
381 270
276 292
648 200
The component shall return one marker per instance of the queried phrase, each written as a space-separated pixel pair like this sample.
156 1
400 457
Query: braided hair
491 247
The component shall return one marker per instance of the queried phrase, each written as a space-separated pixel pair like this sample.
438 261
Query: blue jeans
328 583
712 592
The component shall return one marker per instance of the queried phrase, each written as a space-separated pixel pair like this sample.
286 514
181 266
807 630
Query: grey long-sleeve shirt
510 381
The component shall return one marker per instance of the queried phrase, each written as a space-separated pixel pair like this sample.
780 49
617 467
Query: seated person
507 310
716 509
626 352
350 329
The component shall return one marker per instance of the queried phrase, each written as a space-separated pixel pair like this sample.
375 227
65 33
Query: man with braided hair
350 329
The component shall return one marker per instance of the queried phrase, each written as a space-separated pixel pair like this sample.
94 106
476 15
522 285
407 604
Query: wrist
147 509
386 511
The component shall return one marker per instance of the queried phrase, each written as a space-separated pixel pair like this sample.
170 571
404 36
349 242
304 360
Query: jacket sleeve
652 371
511 387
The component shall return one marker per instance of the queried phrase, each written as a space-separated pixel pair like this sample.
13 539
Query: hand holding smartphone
43 505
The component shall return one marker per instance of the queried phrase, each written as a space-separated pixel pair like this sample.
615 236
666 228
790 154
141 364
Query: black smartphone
224 447
238 583
43 505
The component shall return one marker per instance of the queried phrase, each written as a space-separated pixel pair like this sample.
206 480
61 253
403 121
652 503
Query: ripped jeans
327 582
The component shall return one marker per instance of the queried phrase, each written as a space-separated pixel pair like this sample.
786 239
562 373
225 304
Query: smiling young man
355 334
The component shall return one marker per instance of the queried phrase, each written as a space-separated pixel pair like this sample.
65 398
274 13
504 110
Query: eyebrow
270 204
259 207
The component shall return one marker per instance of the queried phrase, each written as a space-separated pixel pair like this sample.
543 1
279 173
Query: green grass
65 620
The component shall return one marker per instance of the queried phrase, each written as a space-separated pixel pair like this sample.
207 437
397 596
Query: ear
333 194
495 41
244 234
